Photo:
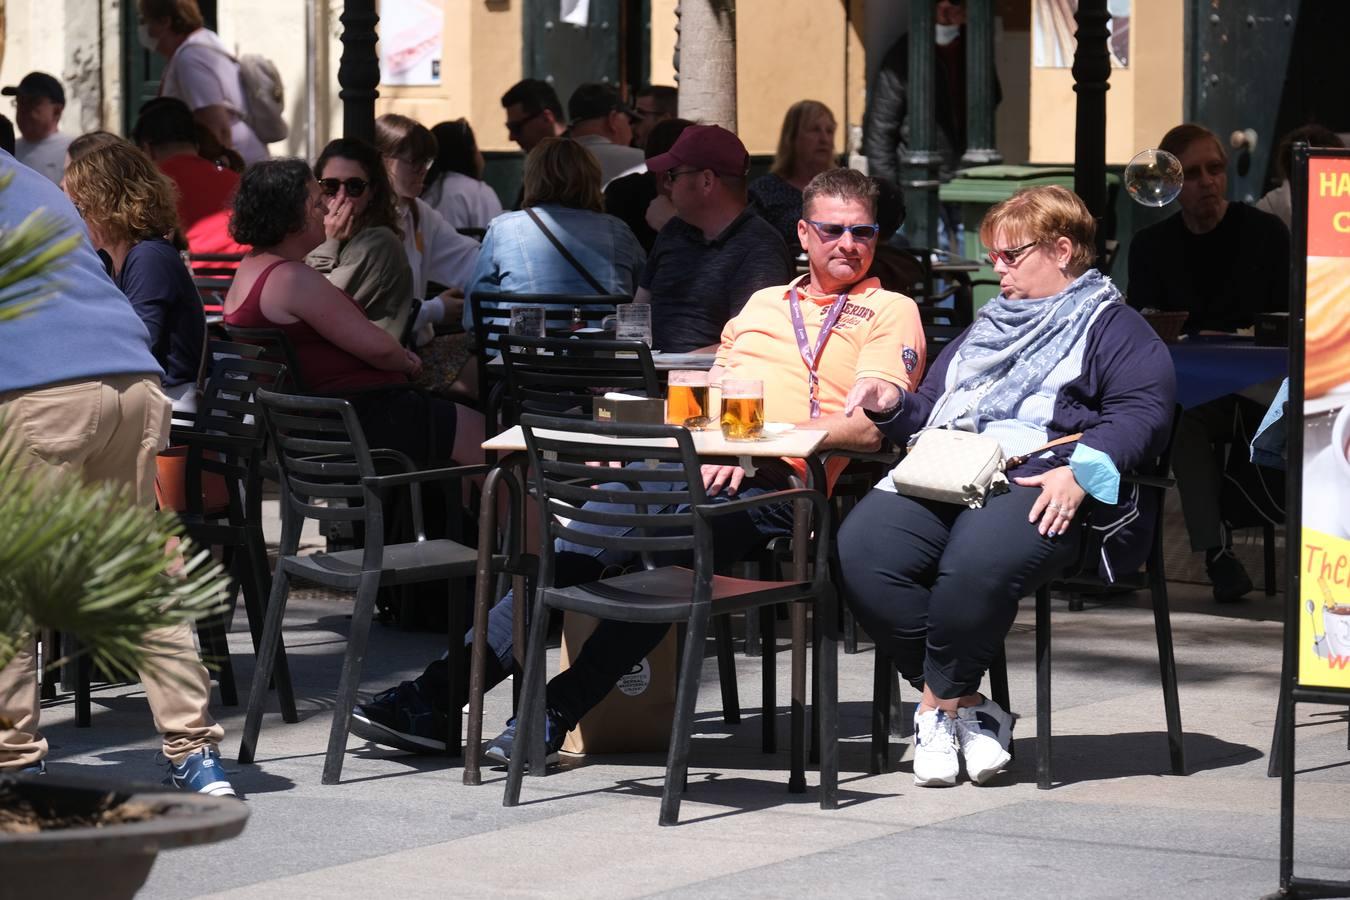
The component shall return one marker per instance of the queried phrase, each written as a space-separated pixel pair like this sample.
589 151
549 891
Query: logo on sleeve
910 358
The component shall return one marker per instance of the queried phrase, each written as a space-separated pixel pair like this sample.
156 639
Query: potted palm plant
84 559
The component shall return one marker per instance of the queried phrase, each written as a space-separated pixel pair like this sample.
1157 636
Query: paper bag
637 713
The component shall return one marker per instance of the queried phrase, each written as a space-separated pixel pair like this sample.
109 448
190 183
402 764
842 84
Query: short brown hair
184 16
1178 139
561 171
91 140
1042 214
798 116
122 193
844 184
404 138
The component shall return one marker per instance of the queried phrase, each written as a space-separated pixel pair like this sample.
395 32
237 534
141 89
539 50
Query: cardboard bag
637 713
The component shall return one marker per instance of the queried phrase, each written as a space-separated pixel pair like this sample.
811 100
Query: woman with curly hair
130 208
280 212
362 253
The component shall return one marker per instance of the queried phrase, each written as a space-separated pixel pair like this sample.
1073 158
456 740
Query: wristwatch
887 414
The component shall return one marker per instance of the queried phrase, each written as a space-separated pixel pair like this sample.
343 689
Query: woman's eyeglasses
1010 256
832 231
355 186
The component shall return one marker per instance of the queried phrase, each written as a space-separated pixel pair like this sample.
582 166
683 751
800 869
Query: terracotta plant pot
109 860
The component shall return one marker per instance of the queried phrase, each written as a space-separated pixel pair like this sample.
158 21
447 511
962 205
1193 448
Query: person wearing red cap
716 252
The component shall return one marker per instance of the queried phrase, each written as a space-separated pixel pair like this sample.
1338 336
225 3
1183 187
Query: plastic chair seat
410 563
666 594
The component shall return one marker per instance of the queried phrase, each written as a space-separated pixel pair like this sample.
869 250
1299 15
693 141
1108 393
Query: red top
328 369
205 193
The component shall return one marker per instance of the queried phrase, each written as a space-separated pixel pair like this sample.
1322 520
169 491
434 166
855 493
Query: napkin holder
1272 329
624 409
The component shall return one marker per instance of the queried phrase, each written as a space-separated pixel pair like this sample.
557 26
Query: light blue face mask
143 35
945 34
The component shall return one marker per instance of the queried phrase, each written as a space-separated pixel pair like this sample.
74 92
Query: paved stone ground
1115 825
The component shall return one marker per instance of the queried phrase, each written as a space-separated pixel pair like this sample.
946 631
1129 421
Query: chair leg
768 653
998 688
455 666
216 655
752 633
826 710
1043 688
797 711
268 646
686 696
881 713
850 631
84 675
256 589
530 712
726 670
813 747
1167 666
1268 544
362 612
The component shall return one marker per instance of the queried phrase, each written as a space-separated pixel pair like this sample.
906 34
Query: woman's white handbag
951 467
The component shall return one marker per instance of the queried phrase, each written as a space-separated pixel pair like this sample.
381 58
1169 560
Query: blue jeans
615 647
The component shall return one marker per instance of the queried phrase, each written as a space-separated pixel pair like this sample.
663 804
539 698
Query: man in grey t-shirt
38 102
715 253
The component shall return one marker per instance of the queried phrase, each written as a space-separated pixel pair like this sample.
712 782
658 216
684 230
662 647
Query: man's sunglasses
1010 256
355 186
832 231
513 128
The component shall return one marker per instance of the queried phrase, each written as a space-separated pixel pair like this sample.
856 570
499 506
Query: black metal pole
359 70
1091 72
921 160
980 105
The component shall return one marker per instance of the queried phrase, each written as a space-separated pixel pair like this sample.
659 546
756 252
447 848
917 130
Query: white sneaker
984 732
935 759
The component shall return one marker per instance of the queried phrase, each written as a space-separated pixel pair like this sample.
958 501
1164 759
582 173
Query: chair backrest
563 376
491 313
322 458
276 348
660 470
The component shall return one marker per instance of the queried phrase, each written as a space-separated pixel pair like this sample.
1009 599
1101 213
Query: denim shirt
516 257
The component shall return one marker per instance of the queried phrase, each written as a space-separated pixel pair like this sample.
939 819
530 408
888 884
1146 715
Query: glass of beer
742 409
687 400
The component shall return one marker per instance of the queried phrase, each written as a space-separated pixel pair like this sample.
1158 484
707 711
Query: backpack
264 97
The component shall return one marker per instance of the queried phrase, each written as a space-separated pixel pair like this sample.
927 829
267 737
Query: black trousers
937 585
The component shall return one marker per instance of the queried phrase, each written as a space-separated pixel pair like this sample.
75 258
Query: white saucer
778 427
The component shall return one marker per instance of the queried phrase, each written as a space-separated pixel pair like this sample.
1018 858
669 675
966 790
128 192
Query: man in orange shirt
811 342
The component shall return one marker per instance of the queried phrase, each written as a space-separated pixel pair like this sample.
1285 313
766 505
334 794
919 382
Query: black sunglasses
833 231
1011 255
514 127
355 186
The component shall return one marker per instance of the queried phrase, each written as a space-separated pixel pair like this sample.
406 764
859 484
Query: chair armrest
421 476
887 455
1156 481
224 443
820 506
403 460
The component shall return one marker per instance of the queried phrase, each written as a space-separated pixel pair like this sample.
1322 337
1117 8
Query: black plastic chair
563 482
490 313
276 348
226 442
1081 577
563 376
328 473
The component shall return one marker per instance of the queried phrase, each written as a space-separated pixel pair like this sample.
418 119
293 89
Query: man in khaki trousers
80 394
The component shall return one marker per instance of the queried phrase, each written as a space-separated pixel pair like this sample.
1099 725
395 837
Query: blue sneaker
202 773
499 748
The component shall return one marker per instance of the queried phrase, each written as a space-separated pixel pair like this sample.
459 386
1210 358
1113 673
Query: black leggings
937 585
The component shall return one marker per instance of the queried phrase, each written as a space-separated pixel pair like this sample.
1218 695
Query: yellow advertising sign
1324 611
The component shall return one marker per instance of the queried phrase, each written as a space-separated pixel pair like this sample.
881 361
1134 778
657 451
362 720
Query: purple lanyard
811 356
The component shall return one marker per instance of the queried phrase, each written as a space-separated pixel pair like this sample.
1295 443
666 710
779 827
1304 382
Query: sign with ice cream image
1324 574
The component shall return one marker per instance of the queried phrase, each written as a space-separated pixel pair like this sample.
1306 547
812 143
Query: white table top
798 443
664 362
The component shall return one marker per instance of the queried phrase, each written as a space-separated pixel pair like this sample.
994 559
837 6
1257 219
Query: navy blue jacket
1123 404
160 288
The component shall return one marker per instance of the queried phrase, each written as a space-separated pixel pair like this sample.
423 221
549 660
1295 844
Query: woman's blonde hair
119 191
563 172
1043 214
799 116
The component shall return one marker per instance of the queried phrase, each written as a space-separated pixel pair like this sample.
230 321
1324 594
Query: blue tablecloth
1210 369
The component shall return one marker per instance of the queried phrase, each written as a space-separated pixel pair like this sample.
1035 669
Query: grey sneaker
984 732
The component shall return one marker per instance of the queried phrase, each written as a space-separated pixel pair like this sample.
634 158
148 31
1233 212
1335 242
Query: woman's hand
414 364
873 394
339 223
1059 500
718 478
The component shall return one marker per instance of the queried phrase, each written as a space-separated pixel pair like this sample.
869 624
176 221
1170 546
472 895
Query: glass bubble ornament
1154 178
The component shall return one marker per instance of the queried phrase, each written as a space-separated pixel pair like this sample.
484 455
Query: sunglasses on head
832 231
1011 255
355 186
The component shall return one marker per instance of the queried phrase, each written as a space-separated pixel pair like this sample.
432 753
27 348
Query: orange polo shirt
878 334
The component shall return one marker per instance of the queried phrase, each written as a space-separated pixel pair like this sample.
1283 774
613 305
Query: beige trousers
109 429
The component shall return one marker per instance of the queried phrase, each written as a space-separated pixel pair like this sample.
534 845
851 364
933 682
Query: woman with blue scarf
1056 354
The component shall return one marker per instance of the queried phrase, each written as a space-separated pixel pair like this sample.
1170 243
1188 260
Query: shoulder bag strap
567 254
1019 460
